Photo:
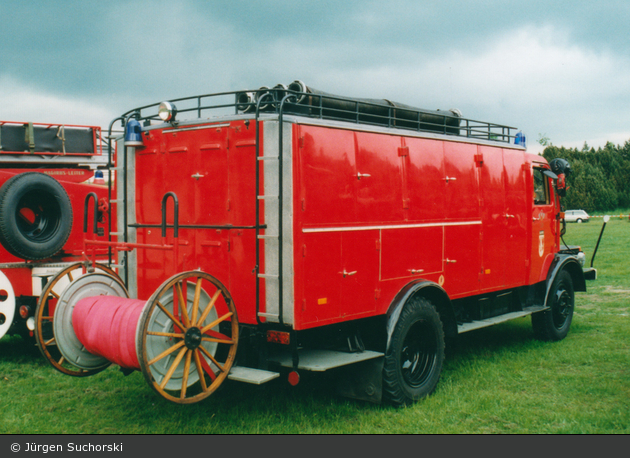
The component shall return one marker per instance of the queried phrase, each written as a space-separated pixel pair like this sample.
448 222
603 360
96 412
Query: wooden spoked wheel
44 314
187 337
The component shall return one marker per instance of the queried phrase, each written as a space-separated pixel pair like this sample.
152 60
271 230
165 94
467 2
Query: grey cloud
129 53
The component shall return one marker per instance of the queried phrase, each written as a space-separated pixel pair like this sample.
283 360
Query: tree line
599 179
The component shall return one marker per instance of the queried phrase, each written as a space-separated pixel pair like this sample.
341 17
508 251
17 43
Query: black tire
554 324
579 220
35 216
414 357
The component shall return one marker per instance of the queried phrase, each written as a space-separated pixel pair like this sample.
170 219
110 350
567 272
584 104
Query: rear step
461 328
310 360
322 360
251 375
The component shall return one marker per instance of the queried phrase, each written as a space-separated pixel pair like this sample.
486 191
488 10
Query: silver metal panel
130 178
322 360
498 319
272 209
250 375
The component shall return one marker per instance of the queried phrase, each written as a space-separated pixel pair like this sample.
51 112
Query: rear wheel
414 357
554 323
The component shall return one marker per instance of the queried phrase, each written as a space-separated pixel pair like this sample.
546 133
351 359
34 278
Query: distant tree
544 140
600 179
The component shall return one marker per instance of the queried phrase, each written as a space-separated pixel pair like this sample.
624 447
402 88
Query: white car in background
576 216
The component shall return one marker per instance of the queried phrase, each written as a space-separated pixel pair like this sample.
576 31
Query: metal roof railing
312 103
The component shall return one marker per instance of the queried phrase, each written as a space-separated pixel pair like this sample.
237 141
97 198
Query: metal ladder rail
124 231
258 196
111 166
280 200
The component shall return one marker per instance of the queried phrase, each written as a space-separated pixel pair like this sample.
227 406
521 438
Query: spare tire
35 216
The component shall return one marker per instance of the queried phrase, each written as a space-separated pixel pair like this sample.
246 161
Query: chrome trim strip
183 129
393 226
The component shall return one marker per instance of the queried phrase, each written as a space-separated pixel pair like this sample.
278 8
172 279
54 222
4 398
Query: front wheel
554 323
414 357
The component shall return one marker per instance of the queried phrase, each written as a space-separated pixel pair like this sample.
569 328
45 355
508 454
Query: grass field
495 380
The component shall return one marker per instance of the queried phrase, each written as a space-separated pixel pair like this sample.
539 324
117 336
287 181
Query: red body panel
377 211
371 212
212 171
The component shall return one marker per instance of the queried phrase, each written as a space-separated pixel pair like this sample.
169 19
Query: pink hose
106 326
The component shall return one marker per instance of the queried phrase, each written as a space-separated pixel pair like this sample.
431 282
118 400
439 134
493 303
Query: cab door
544 225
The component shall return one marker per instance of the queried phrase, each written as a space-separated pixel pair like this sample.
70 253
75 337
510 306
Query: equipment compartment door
494 217
517 209
461 259
321 284
359 272
340 276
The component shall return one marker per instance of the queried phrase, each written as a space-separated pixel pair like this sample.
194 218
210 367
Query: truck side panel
407 208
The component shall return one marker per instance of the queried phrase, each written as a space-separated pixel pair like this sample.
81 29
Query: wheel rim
186 353
418 354
44 317
37 216
562 307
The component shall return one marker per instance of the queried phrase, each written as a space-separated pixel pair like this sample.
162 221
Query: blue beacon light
133 133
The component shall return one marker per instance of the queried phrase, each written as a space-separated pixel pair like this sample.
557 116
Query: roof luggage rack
302 100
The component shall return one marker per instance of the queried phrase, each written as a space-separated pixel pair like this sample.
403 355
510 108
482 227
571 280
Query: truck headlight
167 111
581 257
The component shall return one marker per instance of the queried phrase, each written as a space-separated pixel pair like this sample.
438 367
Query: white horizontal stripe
393 226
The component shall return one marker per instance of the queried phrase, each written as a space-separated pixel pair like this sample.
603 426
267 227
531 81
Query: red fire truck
46 171
283 230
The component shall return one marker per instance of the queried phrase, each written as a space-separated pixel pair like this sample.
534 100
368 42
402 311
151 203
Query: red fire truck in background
288 230
46 171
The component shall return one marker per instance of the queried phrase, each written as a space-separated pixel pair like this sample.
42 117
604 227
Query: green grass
495 380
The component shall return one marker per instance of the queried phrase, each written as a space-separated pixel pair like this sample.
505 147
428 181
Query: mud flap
362 381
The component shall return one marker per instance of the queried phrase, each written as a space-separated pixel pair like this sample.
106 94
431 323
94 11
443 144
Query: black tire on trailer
554 323
415 354
35 216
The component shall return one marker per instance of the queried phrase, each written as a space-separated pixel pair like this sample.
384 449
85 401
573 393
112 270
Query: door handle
416 271
361 175
348 274
451 261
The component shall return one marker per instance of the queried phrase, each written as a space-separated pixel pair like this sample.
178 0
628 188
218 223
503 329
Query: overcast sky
555 68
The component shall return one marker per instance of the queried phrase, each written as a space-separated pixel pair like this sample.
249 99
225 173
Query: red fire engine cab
286 230
46 171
